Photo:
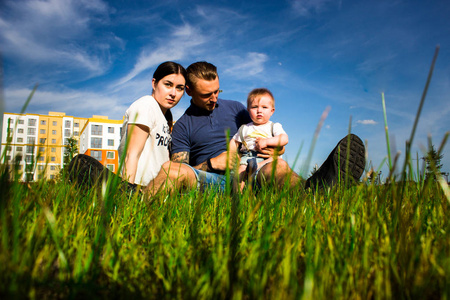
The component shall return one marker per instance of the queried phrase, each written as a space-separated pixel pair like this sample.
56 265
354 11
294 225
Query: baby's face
261 110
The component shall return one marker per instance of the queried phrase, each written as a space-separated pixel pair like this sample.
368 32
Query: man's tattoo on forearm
181 157
203 166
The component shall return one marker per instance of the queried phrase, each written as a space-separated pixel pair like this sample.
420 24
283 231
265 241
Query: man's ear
188 91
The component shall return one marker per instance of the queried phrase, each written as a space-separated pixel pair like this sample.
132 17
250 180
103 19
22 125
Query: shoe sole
356 158
86 170
336 167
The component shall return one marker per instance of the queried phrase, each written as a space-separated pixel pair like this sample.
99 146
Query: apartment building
100 138
33 145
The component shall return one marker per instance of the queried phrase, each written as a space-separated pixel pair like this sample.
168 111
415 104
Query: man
199 143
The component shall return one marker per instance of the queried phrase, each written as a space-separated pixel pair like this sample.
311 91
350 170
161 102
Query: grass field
368 241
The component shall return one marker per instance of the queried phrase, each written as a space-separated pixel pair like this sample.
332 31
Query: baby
251 138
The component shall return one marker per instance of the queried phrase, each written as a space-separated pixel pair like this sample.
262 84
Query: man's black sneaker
336 165
86 170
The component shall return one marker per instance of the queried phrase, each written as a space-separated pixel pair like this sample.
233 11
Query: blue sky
97 57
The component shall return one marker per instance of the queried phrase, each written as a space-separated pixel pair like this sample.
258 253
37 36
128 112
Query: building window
41 149
11 121
53 149
40 167
53 141
19 148
28 158
43 122
8 148
53 158
67 132
31 122
68 124
76 124
8 157
110 155
31 140
110 142
110 129
20 130
21 122
31 131
41 158
20 140
110 167
53 132
42 141
96 143
96 154
30 149
76 133
42 131
52 176
96 129
52 168
55 123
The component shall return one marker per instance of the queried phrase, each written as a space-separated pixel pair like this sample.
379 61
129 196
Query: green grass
369 241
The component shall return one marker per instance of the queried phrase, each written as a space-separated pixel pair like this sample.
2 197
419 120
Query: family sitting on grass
193 154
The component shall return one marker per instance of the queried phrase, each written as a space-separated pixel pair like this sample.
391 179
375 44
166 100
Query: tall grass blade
314 140
419 110
386 130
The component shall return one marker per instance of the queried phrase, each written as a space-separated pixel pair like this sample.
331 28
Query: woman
147 125
146 132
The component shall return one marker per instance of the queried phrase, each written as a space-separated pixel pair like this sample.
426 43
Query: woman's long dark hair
164 69
168 68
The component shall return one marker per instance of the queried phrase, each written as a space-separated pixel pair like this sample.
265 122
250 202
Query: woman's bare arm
138 136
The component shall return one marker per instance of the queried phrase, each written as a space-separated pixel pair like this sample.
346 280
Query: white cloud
72 102
53 32
375 62
250 65
367 122
180 43
307 7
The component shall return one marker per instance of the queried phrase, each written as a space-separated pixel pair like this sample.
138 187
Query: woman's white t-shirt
146 111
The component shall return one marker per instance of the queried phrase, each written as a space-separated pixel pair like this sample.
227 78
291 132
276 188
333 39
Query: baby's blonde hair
256 93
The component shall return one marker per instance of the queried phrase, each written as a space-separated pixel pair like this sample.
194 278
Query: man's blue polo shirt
202 133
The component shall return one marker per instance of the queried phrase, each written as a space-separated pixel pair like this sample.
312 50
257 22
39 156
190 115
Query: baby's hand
260 144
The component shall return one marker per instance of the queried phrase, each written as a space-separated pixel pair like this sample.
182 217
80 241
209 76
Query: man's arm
219 163
180 157
271 151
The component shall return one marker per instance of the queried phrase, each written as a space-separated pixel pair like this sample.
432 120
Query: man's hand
271 152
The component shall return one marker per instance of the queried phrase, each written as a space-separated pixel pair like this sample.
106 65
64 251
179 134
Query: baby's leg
242 176
266 161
